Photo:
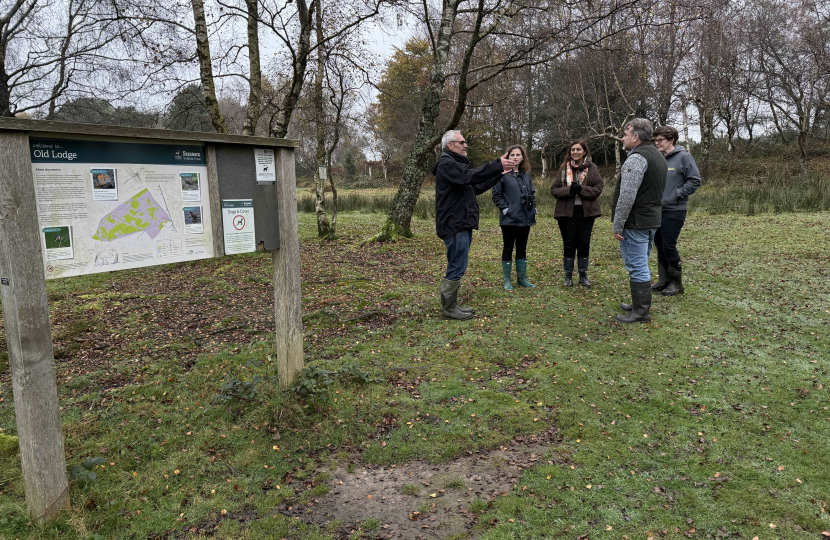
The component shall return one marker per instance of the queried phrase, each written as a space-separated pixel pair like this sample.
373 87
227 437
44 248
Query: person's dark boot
521 274
662 273
675 280
640 303
449 301
507 268
569 271
582 265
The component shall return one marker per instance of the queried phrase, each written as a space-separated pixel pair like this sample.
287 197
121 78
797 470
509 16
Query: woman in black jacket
576 188
515 198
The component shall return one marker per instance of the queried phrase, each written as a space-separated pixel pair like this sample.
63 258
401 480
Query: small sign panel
238 225
321 170
58 242
265 166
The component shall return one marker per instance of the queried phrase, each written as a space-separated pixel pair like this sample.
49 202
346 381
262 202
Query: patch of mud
419 500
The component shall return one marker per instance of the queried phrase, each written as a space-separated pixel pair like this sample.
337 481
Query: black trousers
513 234
665 240
576 233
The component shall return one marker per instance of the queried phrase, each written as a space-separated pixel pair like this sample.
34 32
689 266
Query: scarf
582 174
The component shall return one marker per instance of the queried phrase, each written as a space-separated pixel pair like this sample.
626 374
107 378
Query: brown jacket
591 189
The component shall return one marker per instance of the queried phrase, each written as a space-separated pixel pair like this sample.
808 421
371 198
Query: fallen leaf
609 528
780 467
772 525
717 475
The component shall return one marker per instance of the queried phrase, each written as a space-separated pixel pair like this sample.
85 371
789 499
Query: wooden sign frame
23 285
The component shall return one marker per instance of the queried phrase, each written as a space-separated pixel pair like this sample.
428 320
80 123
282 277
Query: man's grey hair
641 127
447 137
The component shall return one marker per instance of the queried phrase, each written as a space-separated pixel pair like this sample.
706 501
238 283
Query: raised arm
460 174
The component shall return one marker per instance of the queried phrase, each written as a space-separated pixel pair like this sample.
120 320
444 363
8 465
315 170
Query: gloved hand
504 211
576 189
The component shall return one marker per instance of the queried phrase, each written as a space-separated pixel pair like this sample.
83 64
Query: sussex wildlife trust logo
177 154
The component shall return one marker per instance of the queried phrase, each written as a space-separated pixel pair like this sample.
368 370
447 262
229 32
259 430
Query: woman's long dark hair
584 146
524 166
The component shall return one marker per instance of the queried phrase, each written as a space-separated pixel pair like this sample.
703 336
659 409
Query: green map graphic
139 214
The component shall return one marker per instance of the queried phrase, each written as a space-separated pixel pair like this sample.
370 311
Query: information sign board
265 166
238 226
106 205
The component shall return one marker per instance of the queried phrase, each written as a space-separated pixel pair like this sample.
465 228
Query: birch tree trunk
206 67
684 103
399 219
289 102
323 228
707 133
255 75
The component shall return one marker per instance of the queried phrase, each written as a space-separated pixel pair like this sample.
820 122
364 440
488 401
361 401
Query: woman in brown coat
576 188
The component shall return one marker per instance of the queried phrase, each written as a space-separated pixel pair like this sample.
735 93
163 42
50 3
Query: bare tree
791 47
53 48
496 26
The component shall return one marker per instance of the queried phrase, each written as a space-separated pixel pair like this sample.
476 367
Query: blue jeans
635 249
458 251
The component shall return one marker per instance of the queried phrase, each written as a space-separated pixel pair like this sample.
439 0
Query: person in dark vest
456 211
636 212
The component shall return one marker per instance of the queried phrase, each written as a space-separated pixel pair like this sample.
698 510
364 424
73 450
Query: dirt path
419 500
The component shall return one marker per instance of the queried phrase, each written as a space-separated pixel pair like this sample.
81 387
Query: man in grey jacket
682 180
636 212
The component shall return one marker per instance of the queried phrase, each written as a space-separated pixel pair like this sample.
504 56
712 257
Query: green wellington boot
449 301
507 268
521 274
640 303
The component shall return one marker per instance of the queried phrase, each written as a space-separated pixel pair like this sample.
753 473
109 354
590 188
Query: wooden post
215 202
28 334
288 309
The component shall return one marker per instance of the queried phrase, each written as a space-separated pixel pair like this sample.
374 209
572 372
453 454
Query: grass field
713 421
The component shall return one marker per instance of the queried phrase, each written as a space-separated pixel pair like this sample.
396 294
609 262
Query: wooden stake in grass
288 306
28 334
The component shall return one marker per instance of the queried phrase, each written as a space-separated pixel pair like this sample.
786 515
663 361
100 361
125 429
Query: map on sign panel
141 213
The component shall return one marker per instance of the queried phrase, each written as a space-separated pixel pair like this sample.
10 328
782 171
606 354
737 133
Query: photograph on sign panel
193 219
104 185
58 242
190 186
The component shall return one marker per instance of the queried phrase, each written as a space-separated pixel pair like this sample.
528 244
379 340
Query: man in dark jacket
636 212
456 211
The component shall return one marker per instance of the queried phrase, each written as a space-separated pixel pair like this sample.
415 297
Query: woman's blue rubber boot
507 268
521 273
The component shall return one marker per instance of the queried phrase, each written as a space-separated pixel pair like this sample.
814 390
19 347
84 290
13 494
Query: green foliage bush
85 472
